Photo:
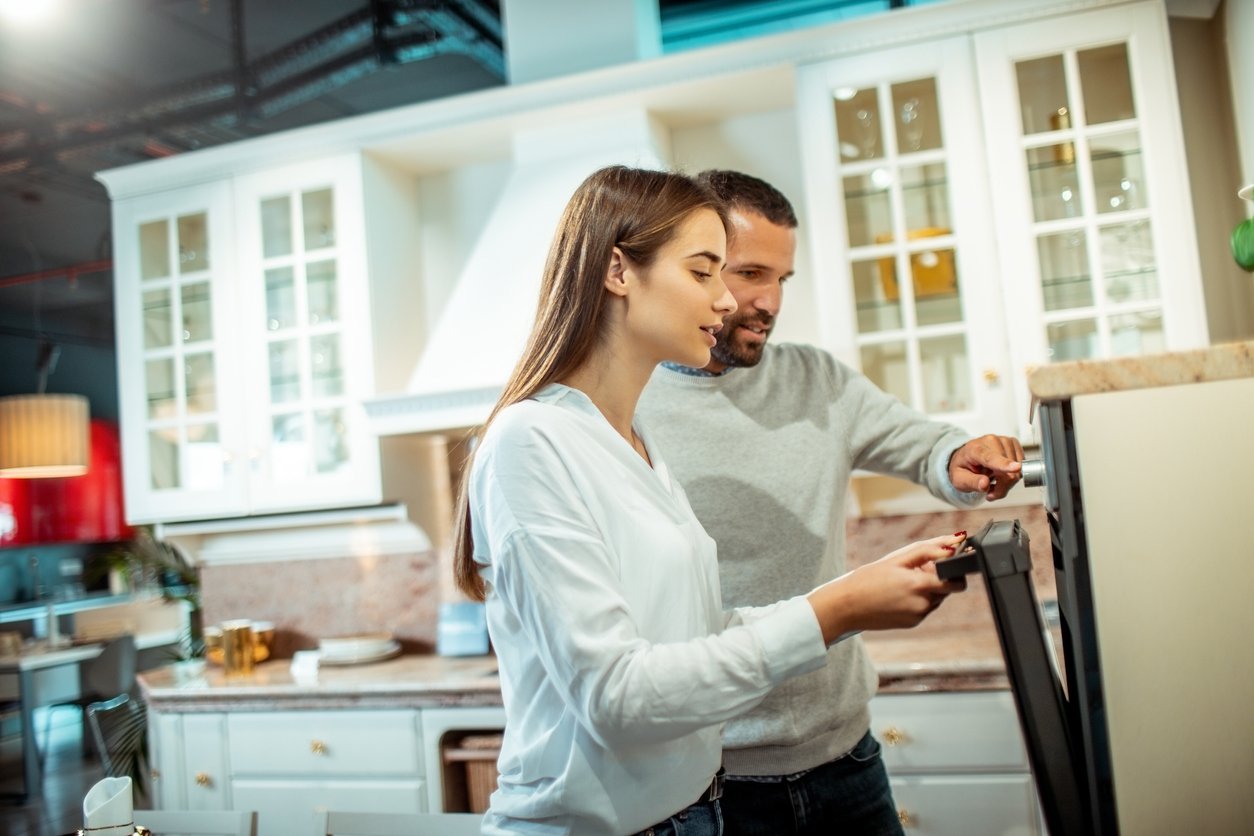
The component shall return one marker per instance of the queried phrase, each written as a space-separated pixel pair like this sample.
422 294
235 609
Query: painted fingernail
948 548
960 534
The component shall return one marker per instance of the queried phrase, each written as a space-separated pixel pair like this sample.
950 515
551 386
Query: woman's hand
898 590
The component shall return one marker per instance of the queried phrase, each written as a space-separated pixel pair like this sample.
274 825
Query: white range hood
484 325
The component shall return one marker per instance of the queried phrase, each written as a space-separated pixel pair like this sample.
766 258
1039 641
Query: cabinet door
180 419
306 334
899 217
206 777
165 753
967 805
1093 211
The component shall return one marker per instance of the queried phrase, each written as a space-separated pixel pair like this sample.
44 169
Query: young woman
617 662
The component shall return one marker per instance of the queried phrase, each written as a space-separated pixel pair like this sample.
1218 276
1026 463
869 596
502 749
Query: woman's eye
701 276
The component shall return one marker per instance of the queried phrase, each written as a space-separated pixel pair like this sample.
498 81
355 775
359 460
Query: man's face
760 257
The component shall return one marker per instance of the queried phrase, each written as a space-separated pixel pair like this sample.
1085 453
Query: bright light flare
29 14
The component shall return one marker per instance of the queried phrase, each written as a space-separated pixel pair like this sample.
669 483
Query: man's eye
749 274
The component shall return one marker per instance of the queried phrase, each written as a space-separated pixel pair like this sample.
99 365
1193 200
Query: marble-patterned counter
412 681
1226 361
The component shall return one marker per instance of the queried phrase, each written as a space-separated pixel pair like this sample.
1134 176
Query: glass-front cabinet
898 213
244 346
986 202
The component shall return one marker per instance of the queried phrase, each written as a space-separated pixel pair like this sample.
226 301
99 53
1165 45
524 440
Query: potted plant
1243 235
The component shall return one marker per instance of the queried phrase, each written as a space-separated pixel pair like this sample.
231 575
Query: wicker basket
479 753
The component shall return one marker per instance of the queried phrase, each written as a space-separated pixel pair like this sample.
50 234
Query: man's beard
728 351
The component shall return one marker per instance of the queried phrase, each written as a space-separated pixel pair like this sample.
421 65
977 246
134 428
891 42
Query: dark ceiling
115 82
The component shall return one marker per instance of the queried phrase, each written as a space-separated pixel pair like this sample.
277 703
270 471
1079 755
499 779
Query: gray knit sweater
765 455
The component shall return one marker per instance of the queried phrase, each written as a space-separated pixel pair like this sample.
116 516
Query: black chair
109 675
118 729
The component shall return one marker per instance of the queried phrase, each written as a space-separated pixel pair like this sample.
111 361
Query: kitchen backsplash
312 599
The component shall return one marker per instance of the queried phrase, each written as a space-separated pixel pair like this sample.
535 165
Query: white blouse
617 662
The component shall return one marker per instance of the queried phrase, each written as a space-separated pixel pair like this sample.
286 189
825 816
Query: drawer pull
203 779
894 736
905 818
317 747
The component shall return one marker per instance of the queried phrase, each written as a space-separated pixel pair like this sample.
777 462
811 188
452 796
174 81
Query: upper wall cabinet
988 202
244 346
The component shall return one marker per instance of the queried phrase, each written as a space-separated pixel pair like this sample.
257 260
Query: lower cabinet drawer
333 743
950 732
287 807
961 805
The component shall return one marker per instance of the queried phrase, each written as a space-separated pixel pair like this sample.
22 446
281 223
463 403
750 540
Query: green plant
144 559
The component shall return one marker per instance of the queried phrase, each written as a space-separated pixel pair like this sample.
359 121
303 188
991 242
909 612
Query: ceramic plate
392 648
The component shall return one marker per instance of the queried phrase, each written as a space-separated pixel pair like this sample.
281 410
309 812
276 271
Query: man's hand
989 464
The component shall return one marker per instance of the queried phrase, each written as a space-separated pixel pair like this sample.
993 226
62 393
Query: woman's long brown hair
636 210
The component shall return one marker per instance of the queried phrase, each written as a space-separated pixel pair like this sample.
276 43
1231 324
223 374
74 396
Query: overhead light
29 13
43 436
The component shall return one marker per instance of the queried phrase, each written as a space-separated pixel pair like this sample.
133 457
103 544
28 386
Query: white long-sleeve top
617 663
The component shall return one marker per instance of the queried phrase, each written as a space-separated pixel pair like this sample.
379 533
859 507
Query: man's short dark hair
743 191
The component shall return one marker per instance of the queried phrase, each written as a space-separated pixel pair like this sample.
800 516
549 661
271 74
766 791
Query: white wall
1239 21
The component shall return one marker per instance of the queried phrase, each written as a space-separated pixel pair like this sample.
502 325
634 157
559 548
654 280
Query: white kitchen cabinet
997 199
244 345
957 763
189 761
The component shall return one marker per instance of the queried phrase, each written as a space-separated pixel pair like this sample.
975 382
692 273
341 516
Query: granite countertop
938 659
1226 361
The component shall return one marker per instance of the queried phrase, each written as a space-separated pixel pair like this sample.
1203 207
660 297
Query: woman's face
677 304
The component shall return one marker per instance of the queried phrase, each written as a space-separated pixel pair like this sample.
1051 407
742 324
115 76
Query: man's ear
616 274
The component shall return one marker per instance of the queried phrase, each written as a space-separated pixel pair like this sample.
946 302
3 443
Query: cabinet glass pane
328 370
858 124
1138 333
1043 103
154 250
276 226
925 196
330 440
205 458
320 285
319 214
1106 83
163 459
202 393
867 209
1065 279
918 115
886 366
935 279
158 319
946 374
197 313
159 383
1118 173
1128 264
193 233
284 371
280 298
1055 186
876 296
1072 340
289 454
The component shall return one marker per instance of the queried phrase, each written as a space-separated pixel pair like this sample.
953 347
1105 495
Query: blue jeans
704 818
849 795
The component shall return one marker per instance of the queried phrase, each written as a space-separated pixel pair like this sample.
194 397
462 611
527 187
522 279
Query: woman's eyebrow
707 254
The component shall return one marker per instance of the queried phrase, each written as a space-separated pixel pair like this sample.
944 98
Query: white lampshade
42 436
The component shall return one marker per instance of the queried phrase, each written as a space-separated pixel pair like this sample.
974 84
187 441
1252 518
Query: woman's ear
616 274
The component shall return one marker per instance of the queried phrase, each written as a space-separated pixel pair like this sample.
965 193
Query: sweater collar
691 372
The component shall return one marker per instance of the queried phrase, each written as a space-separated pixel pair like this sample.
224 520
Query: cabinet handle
317 747
203 779
905 818
991 376
894 736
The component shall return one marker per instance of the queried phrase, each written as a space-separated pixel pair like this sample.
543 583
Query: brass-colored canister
1064 152
237 647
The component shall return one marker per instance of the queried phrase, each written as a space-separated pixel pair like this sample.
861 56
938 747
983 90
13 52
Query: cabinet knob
992 376
317 747
905 818
894 736
203 779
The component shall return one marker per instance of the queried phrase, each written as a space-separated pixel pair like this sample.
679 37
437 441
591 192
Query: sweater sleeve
551 568
886 436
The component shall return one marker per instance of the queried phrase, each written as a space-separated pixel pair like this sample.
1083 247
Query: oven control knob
1033 473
